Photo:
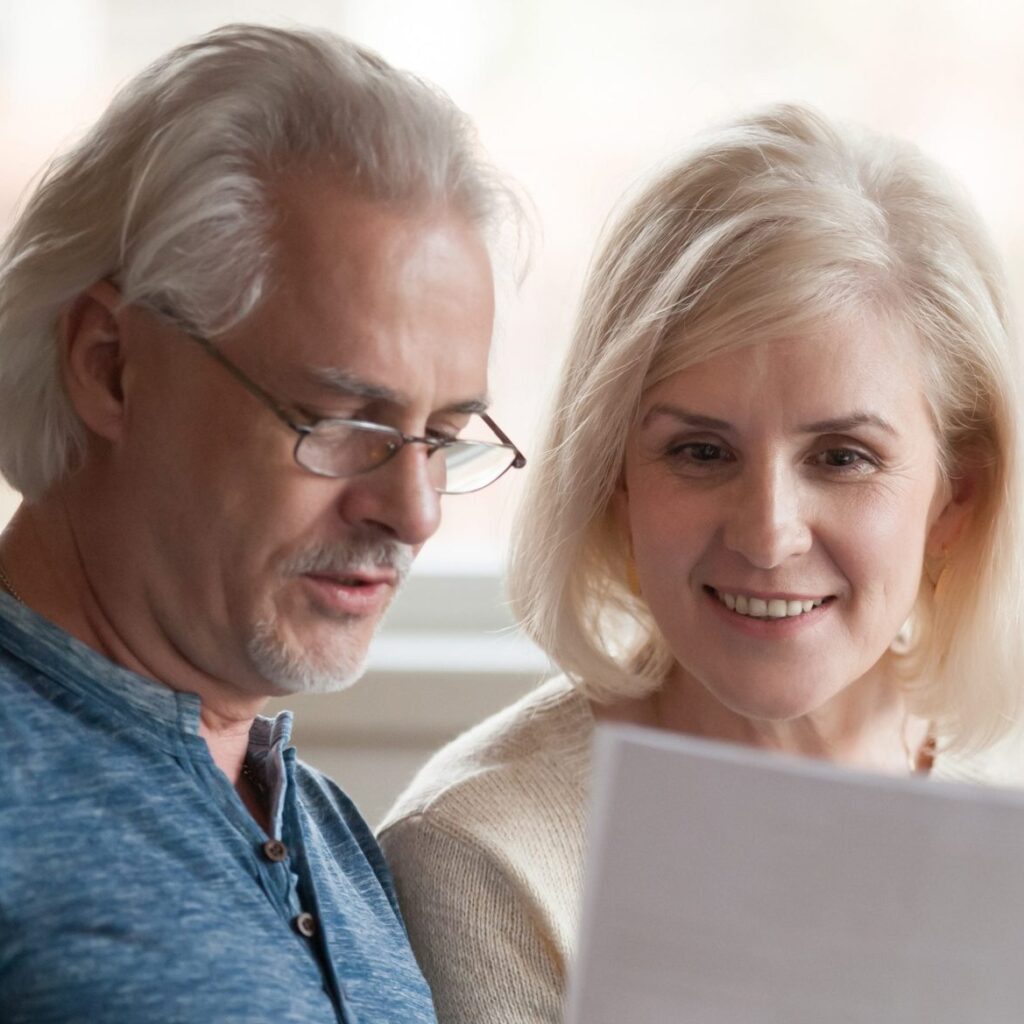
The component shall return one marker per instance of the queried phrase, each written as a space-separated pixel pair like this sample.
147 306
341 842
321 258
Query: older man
243 341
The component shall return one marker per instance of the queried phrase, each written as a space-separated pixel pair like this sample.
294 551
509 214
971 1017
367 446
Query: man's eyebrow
470 406
347 384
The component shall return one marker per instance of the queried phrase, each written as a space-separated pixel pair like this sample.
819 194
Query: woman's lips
768 614
778 606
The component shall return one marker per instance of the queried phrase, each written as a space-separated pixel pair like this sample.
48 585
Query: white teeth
759 608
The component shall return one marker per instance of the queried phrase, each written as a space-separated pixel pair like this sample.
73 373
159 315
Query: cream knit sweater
487 846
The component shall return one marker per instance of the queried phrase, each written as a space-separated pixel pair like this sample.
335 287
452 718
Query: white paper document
729 886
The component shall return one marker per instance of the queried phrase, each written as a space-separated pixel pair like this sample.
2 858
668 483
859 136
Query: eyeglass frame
306 429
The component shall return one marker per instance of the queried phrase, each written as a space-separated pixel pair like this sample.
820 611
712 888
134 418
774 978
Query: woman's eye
697 452
844 458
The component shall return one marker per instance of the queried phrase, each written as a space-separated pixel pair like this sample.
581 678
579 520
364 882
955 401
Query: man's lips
353 593
357 578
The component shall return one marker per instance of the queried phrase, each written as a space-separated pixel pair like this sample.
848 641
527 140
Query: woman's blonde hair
775 225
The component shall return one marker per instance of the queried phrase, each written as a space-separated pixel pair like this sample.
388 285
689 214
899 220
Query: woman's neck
866 726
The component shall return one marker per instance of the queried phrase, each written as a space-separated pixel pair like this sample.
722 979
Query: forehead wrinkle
344 382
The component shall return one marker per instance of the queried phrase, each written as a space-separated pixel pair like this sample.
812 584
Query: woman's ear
92 358
620 516
620 506
958 502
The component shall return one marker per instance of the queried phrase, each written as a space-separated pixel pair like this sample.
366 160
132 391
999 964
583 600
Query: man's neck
40 555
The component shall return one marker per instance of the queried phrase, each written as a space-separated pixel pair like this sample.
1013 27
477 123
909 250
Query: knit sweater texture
487 846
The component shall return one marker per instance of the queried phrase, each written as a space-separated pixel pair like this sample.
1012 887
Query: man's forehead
323 223
345 383
377 302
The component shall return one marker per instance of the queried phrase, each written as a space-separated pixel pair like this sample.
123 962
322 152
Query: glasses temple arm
520 459
250 385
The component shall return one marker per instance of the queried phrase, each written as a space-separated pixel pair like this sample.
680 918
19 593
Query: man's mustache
351 557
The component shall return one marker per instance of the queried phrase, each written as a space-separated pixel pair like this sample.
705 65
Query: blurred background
575 101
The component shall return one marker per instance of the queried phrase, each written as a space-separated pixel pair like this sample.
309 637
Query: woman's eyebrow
843 423
684 416
835 425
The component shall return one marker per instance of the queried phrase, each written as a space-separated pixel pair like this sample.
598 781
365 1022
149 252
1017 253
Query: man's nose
398 497
767 523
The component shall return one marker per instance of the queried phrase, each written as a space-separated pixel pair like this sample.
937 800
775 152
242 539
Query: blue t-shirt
136 887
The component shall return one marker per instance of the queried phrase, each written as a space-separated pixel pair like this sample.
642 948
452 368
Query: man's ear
92 358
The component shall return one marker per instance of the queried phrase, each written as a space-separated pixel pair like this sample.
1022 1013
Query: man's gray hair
167 196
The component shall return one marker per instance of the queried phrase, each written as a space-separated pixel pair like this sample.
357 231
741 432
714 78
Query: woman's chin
780 703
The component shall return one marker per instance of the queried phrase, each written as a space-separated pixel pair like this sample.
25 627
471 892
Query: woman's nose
767 523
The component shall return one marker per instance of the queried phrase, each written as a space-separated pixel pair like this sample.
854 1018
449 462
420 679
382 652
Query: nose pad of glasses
381 448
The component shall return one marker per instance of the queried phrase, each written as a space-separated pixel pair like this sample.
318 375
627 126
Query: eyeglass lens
340 449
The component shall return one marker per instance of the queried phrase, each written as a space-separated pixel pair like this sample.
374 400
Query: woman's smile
783 495
767 606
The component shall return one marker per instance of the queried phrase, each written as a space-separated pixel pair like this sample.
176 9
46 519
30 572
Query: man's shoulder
328 806
38 721
20 684
339 832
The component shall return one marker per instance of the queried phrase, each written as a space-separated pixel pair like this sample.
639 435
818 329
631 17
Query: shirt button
275 850
305 924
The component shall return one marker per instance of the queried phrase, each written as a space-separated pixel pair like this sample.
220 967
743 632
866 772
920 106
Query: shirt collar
165 713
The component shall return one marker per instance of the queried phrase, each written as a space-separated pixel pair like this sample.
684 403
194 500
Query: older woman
776 506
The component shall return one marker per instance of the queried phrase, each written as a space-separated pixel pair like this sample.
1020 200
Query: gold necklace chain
920 761
6 583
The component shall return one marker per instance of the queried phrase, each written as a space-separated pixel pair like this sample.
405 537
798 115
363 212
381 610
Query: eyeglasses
343 448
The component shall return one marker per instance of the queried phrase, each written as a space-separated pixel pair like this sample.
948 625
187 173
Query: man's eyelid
443 430
359 414
301 415
447 431
453 420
